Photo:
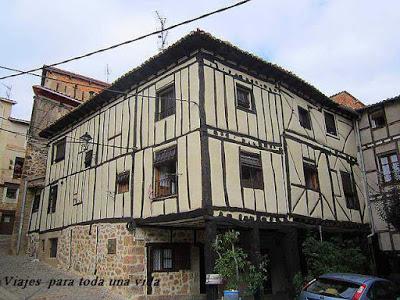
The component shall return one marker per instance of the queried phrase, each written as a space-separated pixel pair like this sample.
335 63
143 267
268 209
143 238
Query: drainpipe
364 179
21 217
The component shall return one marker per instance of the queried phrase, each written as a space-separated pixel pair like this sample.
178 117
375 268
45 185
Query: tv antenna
162 36
8 90
108 72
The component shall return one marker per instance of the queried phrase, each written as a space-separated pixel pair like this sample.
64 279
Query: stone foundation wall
83 249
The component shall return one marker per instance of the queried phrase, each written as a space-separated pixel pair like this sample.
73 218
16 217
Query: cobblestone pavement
21 267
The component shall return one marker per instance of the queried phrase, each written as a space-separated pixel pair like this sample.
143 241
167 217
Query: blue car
335 286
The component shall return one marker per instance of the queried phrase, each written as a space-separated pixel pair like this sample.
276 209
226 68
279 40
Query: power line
131 40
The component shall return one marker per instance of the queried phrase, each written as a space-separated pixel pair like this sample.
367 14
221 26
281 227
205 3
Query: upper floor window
378 119
330 123
18 164
166 179
244 97
11 191
390 168
311 176
51 207
349 190
304 118
59 150
36 202
123 182
251 171
165 102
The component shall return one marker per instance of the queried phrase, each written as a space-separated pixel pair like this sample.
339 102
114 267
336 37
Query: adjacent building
379 127
12 155
201 138
60 92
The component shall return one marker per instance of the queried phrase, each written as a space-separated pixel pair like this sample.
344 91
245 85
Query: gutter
21 217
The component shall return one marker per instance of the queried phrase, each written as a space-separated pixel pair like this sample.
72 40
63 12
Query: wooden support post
209 258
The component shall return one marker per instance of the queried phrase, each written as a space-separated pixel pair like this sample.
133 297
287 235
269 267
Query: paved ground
18 269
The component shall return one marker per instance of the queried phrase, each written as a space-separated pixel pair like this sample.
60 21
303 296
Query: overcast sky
334 45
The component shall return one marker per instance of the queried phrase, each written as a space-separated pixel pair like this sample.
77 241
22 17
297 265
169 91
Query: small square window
123 182
330 123
251 171
304 118
53 247
11 192
111 246
378 119
244 97
165 102
311 176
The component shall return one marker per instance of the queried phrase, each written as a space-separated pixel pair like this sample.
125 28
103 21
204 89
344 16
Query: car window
382 290
333 288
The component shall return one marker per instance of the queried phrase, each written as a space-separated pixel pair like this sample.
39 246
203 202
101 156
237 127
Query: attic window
304 118
378 119
244 97
330 123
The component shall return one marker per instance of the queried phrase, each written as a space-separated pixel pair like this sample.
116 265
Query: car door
382 290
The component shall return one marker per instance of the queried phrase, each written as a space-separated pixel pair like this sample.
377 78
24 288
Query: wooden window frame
334 133
249 91
55 149
125 175
253 168
53 195
176 249
388 154
311 167
354 203
159 114
372 113
303 112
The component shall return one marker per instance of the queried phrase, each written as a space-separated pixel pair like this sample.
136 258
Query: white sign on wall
213 279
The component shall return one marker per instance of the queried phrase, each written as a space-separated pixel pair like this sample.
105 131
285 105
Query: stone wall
83 249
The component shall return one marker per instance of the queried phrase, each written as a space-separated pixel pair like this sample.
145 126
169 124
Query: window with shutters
389 168
349 190
330 123
311 176
244 98
251 171
123 182
169 257
166 179
51 208
165 102
304 118
59 150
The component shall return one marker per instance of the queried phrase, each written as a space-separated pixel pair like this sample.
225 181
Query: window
53 247
36 202
349 190
51 208
390 168
378 119
123 182
311 176
18 164
244 97
304 118
334 288
59 150
112 246
12 191
251 171
166 104
170 257
330 123
165 173
88 158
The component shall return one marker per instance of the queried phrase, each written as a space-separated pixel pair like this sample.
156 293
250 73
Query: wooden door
7 222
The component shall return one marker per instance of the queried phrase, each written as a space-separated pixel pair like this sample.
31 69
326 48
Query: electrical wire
131 40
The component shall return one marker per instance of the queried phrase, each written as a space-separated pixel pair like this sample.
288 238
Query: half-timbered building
200 138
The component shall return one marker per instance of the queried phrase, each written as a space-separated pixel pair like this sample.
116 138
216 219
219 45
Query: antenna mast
162 36
8 90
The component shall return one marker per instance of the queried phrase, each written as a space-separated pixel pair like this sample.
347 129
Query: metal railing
166 186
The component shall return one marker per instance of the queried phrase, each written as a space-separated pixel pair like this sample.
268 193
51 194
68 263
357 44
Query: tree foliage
233 264
389 207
